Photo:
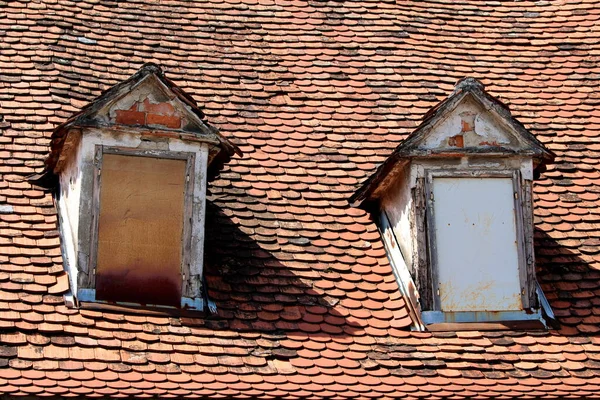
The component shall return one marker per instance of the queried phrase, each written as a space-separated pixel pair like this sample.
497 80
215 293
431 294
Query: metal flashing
436 317
187 303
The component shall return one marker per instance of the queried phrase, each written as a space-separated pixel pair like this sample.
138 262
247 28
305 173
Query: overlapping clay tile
317 94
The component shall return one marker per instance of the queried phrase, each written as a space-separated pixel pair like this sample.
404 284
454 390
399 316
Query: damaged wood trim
527 210
422 270
186 248
127 151
89 280
436 318
70 144
139 309
190 136
526 282
400 270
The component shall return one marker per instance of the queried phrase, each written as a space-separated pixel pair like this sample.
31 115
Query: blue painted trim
544 302
192 304
86 295
437 317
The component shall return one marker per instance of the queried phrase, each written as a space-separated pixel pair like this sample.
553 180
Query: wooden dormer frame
88 283
148 115
523 214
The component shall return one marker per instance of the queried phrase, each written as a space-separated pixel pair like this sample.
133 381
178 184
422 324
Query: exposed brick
457 141
127 117
166 121
165 109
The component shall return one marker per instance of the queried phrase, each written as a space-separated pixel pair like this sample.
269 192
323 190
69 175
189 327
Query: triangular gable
485 124
143 104
147 101
469 121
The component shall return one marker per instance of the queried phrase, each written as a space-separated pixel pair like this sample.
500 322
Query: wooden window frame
89 285
428 279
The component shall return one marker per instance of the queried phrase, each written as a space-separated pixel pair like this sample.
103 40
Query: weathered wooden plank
423 269
87 280
400 269
527 210
186 247
140 228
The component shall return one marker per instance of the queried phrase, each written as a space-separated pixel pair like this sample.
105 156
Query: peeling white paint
398 205
476 244
150 88
526 169
68 206
198 218
478 271
484 132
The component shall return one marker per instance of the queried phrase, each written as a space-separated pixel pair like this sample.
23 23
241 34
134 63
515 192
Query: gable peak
146 103
151 68
469 83
470 121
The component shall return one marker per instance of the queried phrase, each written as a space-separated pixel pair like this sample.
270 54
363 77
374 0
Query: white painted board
476 242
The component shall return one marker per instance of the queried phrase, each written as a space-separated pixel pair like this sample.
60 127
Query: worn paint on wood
530 293
140 229
470 136
475 126
422 269
143 114
400 269
79 200
398 205
476 244
67 204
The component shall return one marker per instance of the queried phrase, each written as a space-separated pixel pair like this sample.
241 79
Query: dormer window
130 172
455 211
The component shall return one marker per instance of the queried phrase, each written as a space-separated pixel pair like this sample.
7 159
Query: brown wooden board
140 230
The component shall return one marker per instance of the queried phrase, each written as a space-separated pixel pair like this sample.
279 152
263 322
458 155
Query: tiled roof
316 94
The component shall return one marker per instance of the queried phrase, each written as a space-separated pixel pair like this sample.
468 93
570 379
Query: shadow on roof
571 285
254 291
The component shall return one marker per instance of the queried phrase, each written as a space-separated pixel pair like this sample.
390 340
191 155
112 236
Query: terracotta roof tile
307 301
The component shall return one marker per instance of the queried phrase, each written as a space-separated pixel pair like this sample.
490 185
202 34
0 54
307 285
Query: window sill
483 321
87 300
533 325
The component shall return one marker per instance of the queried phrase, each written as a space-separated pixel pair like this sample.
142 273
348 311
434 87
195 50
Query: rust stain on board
131 287
140 230
473 297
